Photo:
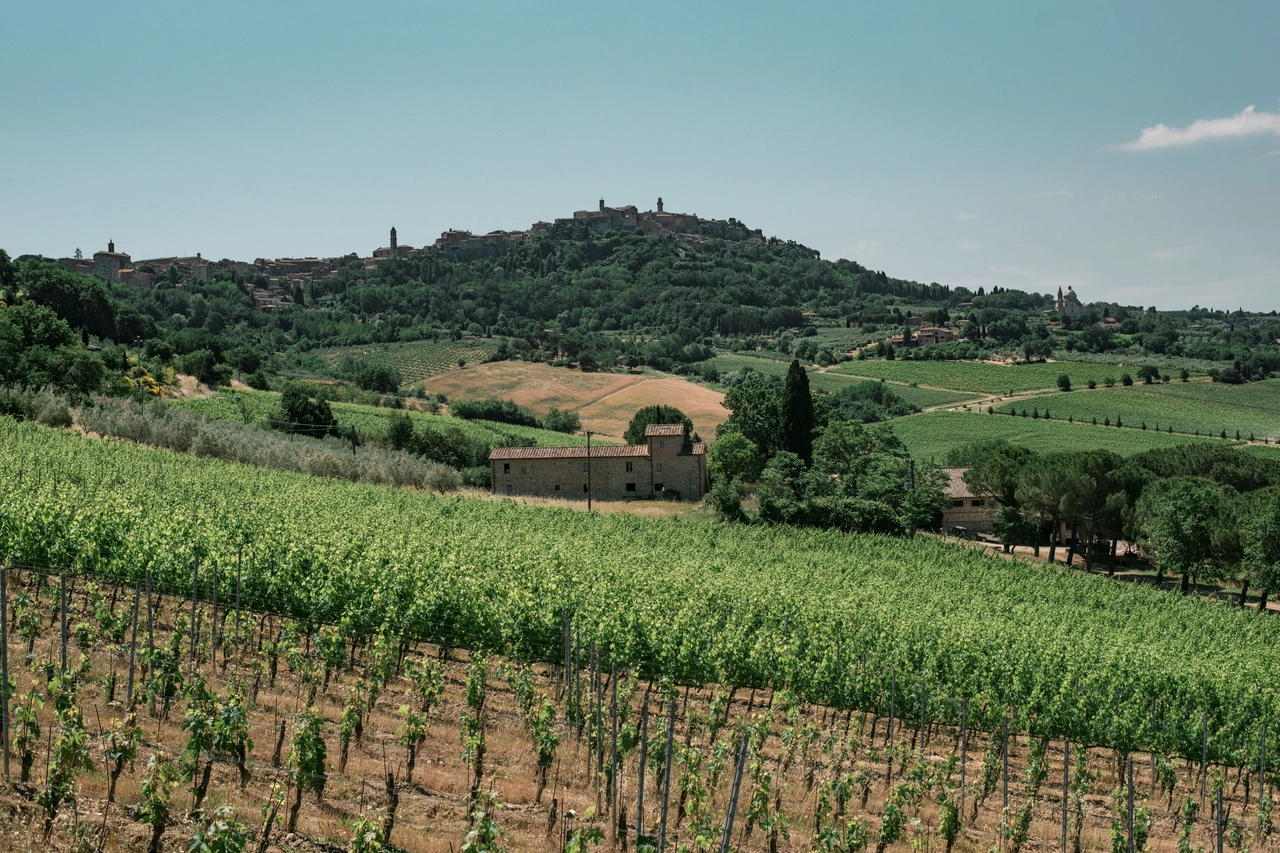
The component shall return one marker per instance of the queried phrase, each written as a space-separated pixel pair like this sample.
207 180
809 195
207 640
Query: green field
1210 407
834 617
371 421
932 435
417 360
983 377
829 381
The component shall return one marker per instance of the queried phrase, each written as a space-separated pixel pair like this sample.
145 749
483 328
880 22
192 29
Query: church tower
393 241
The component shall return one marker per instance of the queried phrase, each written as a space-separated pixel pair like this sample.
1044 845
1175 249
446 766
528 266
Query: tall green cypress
797 413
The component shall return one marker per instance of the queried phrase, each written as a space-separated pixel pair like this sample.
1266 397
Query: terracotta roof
661 430
597 452
956 487
698 449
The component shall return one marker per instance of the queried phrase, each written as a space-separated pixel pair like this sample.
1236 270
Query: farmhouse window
629 464
508 488
506 467
957 503
659 468
631 487
585 467
657 487
976 503
584 487
525 469
661 443
557 487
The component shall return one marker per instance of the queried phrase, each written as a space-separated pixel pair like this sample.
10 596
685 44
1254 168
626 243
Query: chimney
602 205
111 246
659 204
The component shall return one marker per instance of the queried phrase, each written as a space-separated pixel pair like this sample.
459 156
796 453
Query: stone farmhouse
973 513
666 466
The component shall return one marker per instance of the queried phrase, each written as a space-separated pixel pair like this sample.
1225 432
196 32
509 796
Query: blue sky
979 144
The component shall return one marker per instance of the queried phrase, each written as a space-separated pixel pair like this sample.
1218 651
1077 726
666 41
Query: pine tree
797 413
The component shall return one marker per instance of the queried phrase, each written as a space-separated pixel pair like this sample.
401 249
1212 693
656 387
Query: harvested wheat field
604 401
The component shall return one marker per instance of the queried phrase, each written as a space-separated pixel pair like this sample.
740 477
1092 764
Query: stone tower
659 204
111 246
393 241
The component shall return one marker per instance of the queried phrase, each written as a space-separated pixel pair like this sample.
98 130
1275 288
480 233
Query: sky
1131 150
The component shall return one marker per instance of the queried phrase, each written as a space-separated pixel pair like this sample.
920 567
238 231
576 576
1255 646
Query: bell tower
393 241
659 204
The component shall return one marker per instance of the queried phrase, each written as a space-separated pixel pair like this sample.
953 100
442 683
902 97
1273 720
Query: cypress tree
797 413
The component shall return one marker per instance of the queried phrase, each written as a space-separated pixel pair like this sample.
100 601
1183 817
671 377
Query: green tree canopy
798 421
734 457
658 414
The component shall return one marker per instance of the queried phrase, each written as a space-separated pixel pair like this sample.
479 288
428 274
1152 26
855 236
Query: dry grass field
604 401
813 761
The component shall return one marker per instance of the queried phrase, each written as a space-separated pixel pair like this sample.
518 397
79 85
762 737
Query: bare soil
604 401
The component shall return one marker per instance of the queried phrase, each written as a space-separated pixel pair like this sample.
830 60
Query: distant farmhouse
968 513
668 465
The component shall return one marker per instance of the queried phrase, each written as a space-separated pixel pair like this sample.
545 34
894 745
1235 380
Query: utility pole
588 470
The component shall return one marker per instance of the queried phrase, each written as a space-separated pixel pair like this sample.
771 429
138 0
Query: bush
562 421
300 413
726 497
1126 380
502 411
51 412
259 380
378 377
199 364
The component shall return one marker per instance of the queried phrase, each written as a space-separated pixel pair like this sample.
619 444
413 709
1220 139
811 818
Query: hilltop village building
666 466
287 274
465 246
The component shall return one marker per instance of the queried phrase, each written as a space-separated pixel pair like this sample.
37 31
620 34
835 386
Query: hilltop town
278 278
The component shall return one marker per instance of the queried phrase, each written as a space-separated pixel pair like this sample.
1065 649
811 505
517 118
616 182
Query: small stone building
974 513
666 466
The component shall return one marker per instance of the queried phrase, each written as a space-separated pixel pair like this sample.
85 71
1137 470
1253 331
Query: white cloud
1049 193
1176 253
969 245
1248 122
865 247
966 217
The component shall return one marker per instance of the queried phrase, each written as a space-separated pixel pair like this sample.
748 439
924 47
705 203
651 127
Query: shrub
502 411
1126 380
1064 382
51 412
562 421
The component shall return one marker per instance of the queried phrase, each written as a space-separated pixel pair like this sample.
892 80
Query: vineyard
835 618
1207 408
932 435
415 361
985 378
369 421
141 719
829 381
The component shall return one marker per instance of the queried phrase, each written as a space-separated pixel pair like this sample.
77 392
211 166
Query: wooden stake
644 755
666 777
733 794
133 647
4 665
195 585
62 608
1066 769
